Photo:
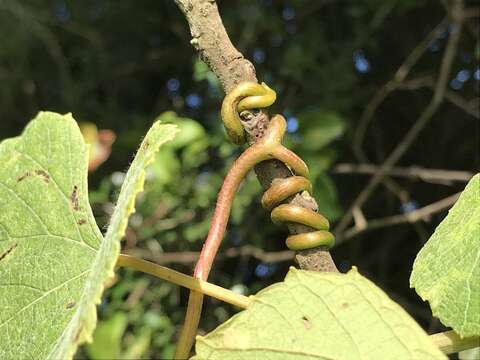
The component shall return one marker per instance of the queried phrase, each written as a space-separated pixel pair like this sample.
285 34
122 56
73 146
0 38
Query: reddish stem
235 175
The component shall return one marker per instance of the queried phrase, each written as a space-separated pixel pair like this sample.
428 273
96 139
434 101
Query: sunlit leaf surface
53 260
319 316
446 271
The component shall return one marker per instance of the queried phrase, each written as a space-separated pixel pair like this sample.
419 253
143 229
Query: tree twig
411 217
438 176
397 82
420 123
465 105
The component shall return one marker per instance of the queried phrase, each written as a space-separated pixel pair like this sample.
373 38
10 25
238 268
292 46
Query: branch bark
211 40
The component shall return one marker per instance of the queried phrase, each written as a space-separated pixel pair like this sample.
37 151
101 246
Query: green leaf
107 339
446 271
53 260
191 130
319 128
315 315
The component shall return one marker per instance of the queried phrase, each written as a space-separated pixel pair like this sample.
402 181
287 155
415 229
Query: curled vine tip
245 96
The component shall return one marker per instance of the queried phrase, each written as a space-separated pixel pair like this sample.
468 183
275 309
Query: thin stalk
184 280
232 181
448 342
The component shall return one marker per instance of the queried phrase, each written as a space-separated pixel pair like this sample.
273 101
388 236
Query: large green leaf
53 260
319 316
446 271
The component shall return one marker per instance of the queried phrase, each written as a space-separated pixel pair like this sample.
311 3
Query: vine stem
223 207
448 342
215 235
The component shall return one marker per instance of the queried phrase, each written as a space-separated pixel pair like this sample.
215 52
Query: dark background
120 64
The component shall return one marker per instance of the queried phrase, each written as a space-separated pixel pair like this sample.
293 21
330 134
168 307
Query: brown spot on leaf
345 305
307 323
8 251
81 221
24 176
70 304
43 174
74 198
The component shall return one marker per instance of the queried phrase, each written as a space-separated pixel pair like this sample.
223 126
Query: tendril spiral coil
245 96
250 96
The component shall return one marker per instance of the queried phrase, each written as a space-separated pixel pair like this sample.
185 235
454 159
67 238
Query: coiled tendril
245 96
252 96
249 95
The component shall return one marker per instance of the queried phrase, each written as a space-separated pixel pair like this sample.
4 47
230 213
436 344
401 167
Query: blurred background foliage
122 64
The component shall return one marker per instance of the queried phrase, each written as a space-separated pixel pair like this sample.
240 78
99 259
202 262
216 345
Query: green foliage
111 63
446 271
180 159
319 128
54 261
108 336
319 316
192 142
108 339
